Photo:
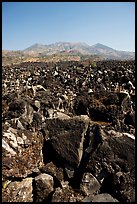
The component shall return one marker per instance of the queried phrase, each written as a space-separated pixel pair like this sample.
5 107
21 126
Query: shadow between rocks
50 155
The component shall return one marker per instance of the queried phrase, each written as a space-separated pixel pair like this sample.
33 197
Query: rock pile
68 132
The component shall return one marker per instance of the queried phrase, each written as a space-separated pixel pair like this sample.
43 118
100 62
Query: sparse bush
93 64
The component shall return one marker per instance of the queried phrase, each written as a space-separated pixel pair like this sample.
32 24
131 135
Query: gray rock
28 113
22 152
57 196
61 115
43 186
87 199
18 191
19 125
20 140
37 104
8 148
104 197
89 184
64 194
70 173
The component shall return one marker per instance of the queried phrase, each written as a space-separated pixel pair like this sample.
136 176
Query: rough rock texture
22 152
66 194
43 186
19 191
104 197
115 155
89 184
53 170
68 132
66 137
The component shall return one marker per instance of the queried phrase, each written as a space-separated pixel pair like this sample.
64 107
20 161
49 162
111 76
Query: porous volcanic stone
66 137
43 187
66 194
22 152
18 191
53 170
115 154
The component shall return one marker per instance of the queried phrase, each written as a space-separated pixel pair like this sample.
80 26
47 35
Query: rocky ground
68 132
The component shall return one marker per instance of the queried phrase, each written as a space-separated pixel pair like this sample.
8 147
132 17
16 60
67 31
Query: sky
108 23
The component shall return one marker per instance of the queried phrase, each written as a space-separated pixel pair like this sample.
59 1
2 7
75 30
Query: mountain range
79 48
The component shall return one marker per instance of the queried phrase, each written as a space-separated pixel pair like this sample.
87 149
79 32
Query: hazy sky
109 23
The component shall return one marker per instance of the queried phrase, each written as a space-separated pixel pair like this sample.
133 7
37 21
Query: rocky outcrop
68 132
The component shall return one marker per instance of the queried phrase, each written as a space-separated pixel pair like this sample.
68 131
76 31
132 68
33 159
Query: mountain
69 48
58 47
110 53
81 48
99 49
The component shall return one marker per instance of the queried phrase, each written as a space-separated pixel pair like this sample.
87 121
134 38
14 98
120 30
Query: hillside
68 49
82 48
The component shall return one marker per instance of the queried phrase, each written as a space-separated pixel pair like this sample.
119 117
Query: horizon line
64 42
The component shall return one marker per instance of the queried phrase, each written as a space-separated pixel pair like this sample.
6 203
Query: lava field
68 131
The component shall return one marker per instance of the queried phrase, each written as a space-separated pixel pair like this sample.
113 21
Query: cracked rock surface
68 132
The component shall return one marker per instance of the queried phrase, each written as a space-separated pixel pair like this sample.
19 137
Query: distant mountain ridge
78 48
83 48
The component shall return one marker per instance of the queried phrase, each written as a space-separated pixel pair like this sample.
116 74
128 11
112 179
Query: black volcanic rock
66 137
113 155
74 122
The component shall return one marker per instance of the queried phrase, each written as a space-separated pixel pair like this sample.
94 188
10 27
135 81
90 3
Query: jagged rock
67 137
43 187
132 136
116 153
54 171
22 152
121 185
37 104
130 118
66 194
61 115
111 99
60 196
89 184
70 173
37 120
104 197
81 105
18 191
16 108
87 199
28 113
